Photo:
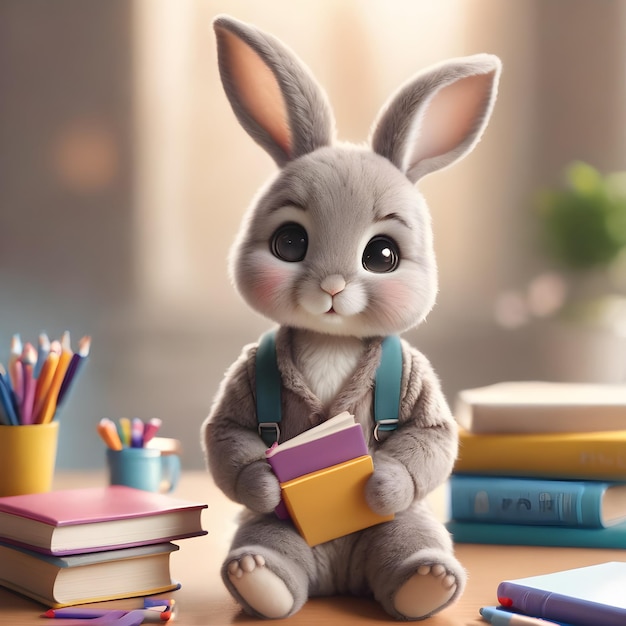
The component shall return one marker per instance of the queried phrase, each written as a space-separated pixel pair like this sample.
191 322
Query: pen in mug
108 433
128 433
150 429
136 433
123 430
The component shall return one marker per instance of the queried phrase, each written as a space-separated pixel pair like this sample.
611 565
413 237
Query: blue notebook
586 596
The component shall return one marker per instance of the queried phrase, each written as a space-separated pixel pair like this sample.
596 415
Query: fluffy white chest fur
326 362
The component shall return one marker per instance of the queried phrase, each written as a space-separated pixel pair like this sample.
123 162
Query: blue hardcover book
586 596
613 537
498 500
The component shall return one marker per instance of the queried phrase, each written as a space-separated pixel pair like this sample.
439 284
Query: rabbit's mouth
331 311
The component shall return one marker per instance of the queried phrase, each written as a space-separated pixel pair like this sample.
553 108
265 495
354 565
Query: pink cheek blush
268 283
396 293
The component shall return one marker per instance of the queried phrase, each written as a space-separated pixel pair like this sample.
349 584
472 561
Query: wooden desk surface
203 600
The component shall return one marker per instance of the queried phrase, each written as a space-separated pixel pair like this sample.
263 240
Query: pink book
75 521
316 454
335 441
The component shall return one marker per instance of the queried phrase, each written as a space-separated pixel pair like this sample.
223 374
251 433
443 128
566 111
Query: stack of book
541 464
322 474
87 545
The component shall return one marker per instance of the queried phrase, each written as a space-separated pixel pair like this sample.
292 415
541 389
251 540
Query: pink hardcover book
337 440
314 455
74 521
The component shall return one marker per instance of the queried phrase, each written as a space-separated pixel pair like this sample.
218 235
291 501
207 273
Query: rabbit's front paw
258 487
390 488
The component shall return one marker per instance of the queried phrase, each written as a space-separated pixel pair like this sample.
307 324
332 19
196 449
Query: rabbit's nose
332 285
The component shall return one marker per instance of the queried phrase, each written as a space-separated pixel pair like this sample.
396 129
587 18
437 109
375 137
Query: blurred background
124 175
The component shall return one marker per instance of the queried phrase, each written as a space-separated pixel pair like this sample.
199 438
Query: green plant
584 224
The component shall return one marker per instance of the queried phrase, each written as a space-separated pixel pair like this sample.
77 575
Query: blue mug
144 468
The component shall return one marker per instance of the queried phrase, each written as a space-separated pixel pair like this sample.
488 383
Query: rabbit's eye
381 255
289 243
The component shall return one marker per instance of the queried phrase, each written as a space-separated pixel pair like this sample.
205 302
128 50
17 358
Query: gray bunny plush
337 250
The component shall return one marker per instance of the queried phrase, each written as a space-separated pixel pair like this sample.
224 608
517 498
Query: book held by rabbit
322 474
331 503
334 441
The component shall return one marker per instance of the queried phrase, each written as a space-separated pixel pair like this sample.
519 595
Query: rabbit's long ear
437 117
272 93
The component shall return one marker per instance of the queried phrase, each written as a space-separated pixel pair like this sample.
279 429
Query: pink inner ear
258 90
451 116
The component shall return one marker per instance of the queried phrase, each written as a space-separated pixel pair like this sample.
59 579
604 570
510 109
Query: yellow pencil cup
27 458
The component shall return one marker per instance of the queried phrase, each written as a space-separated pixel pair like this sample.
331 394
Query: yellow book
331 502
586 456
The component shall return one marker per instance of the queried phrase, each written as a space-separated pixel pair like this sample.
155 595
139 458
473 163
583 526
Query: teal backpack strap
387 389
268 385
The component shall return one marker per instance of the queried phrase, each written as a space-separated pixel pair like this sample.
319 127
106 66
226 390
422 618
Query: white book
341 421
542 407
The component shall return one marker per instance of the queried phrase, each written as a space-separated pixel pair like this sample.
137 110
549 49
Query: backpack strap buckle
387 387
269 432
268 383
384 426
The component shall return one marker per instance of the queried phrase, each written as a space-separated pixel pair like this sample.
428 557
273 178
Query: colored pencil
108 433
84 345
123 430
45 378
29 358
43 348
36 381
6 399
128 433
136 433
16 373
151 429
50 403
